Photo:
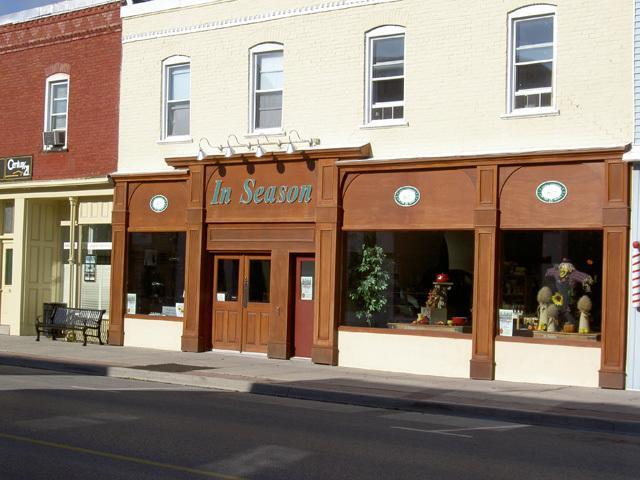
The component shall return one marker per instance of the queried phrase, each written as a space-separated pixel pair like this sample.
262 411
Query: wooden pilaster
279 332
615 268
119 219
196 334
328 258
482 364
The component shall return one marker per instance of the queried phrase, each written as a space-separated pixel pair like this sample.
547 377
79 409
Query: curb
572 421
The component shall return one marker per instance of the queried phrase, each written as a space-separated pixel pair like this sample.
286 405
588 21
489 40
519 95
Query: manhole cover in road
171 367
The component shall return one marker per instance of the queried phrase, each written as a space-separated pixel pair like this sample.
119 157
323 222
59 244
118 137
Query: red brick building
60 77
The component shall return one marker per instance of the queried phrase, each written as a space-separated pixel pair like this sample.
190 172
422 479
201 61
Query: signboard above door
15 168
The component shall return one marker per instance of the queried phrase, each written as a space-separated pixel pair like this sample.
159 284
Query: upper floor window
385 74
177 97
266 87
56 111
532 56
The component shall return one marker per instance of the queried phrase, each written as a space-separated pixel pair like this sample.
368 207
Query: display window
551 284
95 264
155 279
420 281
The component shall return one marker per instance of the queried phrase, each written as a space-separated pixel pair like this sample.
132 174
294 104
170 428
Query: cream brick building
502 125
455 83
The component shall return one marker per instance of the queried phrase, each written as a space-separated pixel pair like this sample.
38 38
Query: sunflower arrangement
557 299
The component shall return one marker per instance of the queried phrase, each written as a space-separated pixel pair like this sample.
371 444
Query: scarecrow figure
566 280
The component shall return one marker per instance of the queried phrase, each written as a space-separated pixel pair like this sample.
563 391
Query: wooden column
119 220
328 251
615 217
482 364
279 332
196 335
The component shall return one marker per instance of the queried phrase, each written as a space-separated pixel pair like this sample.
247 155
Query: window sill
55 150
140 316
273 132
176 139
531 113
385 124
566 342
416 333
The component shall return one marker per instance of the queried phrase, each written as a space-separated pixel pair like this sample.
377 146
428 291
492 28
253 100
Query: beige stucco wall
160 334
552 364
455 91
445 357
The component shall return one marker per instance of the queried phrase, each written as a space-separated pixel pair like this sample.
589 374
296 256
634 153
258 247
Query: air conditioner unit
56 138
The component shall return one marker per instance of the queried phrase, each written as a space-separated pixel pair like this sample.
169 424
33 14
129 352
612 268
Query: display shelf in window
431 328
550 285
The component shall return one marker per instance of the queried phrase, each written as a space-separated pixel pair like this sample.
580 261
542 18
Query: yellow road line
115 456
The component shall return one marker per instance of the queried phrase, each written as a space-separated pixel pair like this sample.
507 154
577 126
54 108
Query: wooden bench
64 319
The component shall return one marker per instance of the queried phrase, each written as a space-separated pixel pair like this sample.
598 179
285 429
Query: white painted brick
455 80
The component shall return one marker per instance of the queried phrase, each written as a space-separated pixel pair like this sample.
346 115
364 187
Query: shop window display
409 280
155 283
551 284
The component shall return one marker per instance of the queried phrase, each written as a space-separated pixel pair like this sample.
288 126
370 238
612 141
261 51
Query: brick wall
86 45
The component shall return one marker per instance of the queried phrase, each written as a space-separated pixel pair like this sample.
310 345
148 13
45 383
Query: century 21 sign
15 168
259 194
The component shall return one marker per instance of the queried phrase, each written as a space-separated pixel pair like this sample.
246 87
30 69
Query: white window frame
167 65
48 111
387 31
529 13
269 47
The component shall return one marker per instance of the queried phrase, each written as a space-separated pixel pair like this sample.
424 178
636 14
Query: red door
303 314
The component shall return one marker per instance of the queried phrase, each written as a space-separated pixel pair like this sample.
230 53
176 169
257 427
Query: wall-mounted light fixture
201 153
259 146
290 145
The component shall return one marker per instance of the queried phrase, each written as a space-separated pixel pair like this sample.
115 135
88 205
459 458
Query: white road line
450 431
257 460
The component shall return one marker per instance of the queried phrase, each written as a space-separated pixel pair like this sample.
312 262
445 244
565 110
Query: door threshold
237 352
301 359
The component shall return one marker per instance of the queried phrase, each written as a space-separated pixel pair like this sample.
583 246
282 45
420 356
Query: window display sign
90 268
15 168
131 302
505 322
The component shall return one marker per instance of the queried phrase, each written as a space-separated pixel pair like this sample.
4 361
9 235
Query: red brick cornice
65 27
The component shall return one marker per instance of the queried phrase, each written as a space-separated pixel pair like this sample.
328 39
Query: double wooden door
241 302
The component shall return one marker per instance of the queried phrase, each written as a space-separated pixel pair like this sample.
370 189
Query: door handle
245 292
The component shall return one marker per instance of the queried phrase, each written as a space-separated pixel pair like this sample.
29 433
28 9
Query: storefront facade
501 239
428 221
243 225
59 145
256 245
633 157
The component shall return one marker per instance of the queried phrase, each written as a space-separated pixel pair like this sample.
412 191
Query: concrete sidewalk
576 407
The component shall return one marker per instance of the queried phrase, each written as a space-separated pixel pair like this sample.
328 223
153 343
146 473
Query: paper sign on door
306 288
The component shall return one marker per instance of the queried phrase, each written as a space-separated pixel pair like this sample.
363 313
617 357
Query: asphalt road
60 426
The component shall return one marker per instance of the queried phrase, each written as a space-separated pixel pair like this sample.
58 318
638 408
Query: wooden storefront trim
139 316
413 333
549 341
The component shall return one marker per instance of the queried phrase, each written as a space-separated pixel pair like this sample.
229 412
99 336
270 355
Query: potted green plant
371 283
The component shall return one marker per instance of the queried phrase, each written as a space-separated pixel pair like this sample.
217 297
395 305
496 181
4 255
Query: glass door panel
228 273
259 280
